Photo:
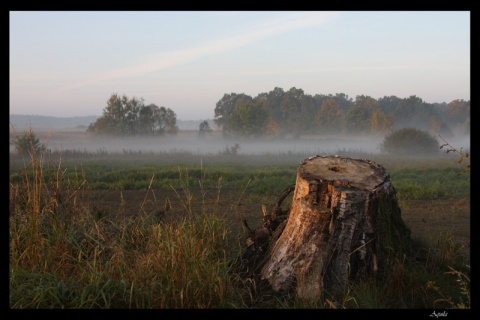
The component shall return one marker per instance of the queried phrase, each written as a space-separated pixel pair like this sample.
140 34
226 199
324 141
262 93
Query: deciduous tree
329 117
249 119
124 116
224 110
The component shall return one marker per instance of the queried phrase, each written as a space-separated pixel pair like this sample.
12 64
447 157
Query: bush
410 141
28 143
204 128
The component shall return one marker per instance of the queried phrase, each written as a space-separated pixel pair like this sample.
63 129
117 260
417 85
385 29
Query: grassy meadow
161 230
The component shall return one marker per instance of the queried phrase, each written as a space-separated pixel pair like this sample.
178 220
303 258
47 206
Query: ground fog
215 143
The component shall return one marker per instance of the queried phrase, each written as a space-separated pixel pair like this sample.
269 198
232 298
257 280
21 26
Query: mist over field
214 143
191 142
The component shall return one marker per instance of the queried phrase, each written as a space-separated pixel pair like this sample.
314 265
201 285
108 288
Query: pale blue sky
68 63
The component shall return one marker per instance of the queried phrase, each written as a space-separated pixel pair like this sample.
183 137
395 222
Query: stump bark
344 222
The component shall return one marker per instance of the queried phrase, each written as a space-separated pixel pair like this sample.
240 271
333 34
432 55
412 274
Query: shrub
232 150
204 128
410 141
28 143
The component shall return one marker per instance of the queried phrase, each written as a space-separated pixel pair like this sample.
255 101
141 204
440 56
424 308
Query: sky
69 63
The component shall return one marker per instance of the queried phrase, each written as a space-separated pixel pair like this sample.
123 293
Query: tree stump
344 222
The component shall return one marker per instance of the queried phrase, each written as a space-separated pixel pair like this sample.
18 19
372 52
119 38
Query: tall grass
71 256
67 253
128 264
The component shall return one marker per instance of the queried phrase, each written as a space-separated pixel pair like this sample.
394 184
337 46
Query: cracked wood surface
344 215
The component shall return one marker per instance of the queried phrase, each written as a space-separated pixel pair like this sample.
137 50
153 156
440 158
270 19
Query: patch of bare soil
437 220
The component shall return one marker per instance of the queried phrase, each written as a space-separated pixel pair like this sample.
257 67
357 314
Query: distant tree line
279 113
124 116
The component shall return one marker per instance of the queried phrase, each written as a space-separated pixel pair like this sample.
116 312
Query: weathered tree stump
344 222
